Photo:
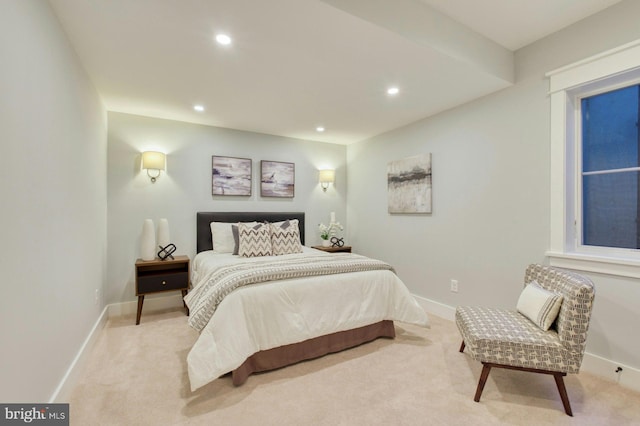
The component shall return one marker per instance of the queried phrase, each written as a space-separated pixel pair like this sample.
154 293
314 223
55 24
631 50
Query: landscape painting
277 179
231 176
409 185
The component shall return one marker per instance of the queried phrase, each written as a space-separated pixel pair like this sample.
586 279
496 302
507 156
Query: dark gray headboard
204 219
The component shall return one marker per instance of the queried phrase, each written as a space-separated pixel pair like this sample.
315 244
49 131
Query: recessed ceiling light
320 129
393 91
198 108
223 39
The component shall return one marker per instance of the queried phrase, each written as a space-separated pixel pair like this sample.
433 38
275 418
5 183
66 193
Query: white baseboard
436 308
151 303
628 377
70 378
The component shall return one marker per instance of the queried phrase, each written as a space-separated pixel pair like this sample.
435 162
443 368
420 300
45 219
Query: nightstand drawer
163 282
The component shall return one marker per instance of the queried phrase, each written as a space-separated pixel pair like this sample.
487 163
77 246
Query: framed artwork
409 185
277 179
231 176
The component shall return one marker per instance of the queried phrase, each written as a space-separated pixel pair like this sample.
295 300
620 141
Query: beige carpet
137 376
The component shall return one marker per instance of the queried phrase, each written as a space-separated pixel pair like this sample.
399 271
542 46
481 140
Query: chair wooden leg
462 346
558 376
563 393
486 369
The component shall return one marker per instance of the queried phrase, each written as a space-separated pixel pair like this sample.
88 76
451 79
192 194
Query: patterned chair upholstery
507 339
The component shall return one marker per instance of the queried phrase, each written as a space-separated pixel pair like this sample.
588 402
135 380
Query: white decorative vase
163 233
148 241
326 243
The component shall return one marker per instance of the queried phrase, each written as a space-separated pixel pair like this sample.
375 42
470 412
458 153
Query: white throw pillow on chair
539 305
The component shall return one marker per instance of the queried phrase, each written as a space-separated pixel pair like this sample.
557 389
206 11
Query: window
595 164
610 169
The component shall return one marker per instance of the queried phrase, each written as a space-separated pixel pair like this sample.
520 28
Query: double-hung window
609 158
595 163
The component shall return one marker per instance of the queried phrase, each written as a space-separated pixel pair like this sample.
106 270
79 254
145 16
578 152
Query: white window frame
613 69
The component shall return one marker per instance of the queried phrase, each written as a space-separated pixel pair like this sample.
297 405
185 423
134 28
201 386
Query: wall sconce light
326 177
154 162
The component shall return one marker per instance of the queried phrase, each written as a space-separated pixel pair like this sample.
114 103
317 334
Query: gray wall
53 192
490 192
185 188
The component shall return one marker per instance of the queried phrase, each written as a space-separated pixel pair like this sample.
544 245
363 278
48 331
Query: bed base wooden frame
282 356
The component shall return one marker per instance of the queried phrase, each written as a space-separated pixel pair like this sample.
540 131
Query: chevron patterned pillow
236 236
285 237
254 240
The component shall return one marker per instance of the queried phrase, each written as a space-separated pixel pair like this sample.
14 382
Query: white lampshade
327 176
153 160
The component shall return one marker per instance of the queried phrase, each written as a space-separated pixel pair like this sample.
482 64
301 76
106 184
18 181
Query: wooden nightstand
343 249
156 276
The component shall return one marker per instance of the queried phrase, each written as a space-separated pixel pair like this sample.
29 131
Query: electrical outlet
97 299
454 286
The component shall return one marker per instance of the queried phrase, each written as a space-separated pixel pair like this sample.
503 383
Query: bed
272 324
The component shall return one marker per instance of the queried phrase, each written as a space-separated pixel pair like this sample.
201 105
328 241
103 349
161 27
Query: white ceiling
516 23
294 65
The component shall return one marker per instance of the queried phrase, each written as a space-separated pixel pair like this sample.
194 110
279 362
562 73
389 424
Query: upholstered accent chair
508 339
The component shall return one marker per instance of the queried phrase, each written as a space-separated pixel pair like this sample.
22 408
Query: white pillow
222 237
539 305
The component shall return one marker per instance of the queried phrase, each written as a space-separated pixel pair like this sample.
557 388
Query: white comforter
267 315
